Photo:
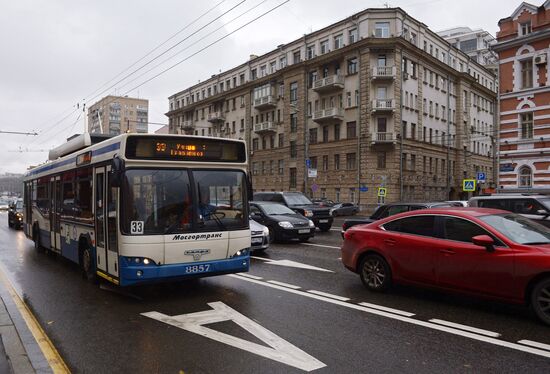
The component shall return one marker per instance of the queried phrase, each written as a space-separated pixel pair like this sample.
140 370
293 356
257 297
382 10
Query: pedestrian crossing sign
382 191
468 185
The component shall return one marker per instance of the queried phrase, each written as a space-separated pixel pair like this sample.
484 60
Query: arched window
525 177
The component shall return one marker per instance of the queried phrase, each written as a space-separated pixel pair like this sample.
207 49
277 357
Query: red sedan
483 252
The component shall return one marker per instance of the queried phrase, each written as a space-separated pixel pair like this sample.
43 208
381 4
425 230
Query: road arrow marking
291 264
281 350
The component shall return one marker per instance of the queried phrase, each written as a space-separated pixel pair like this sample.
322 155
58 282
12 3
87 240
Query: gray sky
57 53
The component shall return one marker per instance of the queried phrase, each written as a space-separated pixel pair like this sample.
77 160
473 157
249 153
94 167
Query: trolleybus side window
68 195
42 198
83 203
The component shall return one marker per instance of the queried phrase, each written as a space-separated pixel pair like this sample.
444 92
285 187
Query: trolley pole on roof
18 133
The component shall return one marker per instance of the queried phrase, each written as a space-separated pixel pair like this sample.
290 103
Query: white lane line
292 264
260 258
535 344
251 276
321 293
466 327
335 229
385 308
285 285
433 326
320 245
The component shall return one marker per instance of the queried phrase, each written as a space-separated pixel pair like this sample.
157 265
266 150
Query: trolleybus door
55 213
111 195
100 211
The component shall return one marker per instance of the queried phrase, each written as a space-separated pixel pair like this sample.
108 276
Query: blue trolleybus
140 208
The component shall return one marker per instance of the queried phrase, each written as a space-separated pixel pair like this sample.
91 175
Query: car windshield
19 206
297 199
518 228
162 201
275 209
545 201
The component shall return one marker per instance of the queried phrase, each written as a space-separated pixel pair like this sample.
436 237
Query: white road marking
335 229
385 308
321 293
535 344
292 264
320 245
251 276
285 284
281 350
450 330
466 327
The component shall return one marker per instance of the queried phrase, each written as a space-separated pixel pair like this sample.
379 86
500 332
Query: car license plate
257 240
303 231
323 221
191 269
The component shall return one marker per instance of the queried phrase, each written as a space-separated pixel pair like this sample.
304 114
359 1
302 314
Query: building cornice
519 41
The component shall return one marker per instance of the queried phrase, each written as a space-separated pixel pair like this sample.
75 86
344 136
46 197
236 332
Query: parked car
4 204
458 203
484 252
15 214
533 206
259 236
323 202
389 210
282 222
299 203
344 209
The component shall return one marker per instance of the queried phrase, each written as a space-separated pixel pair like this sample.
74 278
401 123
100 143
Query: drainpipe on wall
358 116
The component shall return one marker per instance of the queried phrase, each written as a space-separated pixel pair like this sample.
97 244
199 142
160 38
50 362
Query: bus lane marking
454 331
292 264
284 284
279 349
321 293
320 245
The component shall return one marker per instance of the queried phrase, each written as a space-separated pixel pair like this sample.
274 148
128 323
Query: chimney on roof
252 57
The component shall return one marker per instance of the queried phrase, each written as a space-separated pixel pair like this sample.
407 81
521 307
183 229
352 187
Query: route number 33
136 227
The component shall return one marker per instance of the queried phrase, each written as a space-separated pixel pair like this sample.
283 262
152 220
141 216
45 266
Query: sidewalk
19 350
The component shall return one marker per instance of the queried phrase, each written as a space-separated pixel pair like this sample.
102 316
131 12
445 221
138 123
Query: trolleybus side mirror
117 170
249 189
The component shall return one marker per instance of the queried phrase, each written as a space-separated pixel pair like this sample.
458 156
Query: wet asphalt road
100 330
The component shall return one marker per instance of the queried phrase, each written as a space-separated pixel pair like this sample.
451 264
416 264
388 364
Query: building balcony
383 138
265 127
383 105
187 125
383 72
327 115
266 102
331 83
216 117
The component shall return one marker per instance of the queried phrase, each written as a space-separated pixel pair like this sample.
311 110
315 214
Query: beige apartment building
376 100
118 114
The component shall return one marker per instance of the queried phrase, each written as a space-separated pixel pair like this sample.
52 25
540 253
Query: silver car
259 236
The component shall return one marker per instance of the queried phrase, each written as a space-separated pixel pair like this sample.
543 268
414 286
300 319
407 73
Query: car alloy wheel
375 273
540 300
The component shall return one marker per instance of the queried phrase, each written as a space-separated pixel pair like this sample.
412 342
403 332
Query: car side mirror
484 241
255 215
542 212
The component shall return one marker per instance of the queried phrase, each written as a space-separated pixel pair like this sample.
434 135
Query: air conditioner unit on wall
540 59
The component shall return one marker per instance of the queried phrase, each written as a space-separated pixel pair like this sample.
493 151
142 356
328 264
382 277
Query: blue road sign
363 189
481 177
308 163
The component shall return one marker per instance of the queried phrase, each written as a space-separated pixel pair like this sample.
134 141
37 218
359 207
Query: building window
337 194
294 91
296 57
310 52
352 36
281 140
351 130
336 162
381 160
325 163
527 126
525 177
337 131
281 167
282 62
271 165
293 149
293 123
352 65
254 168
313 161
312 136
338 41
324 47
526 73
255 144
382 29
350 161
525 28
254 76
413 163
292 177
325 134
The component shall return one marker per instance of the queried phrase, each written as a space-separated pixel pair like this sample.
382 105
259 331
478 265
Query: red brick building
524 52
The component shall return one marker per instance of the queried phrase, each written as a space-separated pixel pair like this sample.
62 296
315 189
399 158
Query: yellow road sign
468 185
382 191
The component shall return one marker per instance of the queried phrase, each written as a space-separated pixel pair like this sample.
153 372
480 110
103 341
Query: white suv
535 207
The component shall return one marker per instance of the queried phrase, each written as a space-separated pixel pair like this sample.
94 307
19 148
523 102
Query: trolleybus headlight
241 252
140 260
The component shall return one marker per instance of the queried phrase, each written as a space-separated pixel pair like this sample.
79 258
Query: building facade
475 43
375 100
523 49
118 114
